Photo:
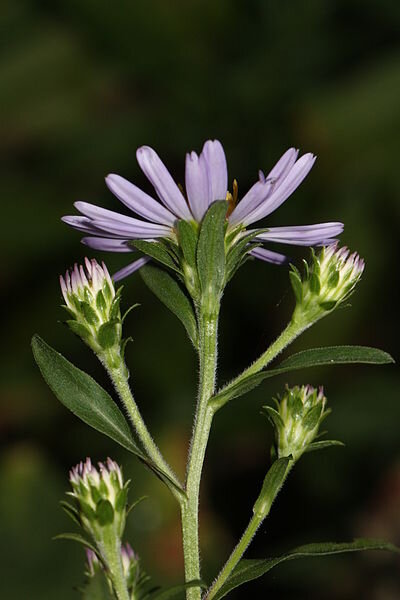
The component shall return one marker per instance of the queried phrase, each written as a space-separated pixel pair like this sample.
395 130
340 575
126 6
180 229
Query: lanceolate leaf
157 251
211 248
75 537
83 396
247 570
171 294
331 355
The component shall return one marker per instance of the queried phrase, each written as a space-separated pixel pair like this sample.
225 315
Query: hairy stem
120 381
112 553
208 325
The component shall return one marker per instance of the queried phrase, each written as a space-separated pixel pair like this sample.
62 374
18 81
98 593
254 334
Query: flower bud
101 495
94 566
328 281
93 303
296 419
130 566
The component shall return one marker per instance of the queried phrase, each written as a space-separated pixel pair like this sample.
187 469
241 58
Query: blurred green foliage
82 85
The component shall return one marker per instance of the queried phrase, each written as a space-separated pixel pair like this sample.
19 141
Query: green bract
296 419
327 282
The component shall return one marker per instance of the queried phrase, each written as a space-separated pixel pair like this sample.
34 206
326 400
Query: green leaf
247 570
211 248
75 537
331 355
158 251
272 484
171 294
188 242
176 590
83 396
322 444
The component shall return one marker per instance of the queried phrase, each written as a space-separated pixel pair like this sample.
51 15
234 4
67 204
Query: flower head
329 281
296 419
93 304
101 495
206 179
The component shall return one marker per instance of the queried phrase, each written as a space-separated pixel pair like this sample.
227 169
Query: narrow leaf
247 570
75 537
171 294
272 484
322 444
157 251
187 241
331 355
211 248
83 396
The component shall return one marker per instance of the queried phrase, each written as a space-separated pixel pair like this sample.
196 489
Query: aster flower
206 179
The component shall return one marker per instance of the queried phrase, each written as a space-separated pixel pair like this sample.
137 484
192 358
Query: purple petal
294 178
136 230
283 166
214 155
166 188
254 197
303 235
198 186
269 256
94 212
138 201
107 244
131 268
80 224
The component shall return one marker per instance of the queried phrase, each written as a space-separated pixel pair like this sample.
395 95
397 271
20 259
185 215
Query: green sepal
250 569
312 417
104 512
273 416
71 511
315 285
211 250
100 302
79 329
329 305
158 252
273 482
115 308
238 253
126 313
171 294
297 284
322 444
120 502
89 313
187 236
109 334
76 537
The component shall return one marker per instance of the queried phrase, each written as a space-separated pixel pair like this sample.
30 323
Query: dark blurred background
82 85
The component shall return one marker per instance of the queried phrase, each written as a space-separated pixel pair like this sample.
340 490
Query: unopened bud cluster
93 303
296 419
101 496
327 282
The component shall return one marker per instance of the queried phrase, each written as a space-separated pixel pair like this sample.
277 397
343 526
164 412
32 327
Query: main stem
120 381
112 551
208 326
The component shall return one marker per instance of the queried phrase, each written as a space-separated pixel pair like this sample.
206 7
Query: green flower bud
296 419
93 303
328 281
101 496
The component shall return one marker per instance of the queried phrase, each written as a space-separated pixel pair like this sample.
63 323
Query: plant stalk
208 326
